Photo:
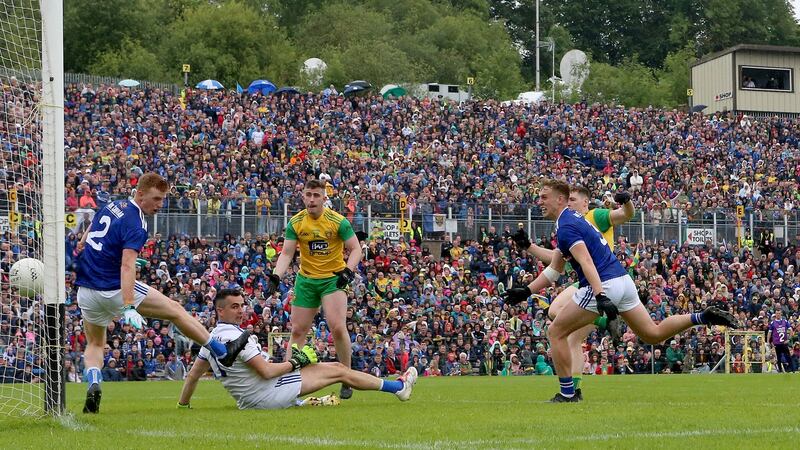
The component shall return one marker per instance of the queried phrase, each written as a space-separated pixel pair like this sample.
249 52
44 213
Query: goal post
52 116
32 337
746 361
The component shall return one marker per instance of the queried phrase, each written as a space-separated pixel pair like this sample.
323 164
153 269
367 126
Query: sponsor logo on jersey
114 209
318 246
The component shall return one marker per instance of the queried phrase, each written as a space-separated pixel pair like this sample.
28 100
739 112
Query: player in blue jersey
108 287
602 280
778 337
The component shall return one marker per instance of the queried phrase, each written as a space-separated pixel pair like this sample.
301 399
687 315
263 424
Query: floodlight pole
537 45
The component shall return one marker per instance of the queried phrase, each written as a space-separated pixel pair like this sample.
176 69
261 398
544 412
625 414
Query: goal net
31 205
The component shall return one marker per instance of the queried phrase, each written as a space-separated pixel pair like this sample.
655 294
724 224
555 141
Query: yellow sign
13 218
405 226
403 203
470 81
186 68
12 195
690 92
70 220
740 211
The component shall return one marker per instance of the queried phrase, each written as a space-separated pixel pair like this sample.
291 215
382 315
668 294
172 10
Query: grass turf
678 411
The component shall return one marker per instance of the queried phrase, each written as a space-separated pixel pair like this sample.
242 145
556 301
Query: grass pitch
677 411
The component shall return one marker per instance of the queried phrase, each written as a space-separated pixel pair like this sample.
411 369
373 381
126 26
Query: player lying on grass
258 384
108 287
603 220
602 279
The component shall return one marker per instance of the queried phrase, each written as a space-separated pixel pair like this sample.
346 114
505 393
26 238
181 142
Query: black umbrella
698 108
360 83
351 90
289 90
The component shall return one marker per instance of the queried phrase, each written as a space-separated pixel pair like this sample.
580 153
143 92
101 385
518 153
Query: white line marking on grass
273 438
71 423
447 443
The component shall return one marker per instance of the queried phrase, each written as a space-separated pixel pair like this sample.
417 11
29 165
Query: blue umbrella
210 85
263 86
287 90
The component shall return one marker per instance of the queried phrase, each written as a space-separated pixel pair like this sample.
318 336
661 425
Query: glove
604 306
132 317
273 281
516 295
186 406
346 276
302 358
622 197
521 239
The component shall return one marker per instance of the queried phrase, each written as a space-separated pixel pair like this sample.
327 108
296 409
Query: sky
796 4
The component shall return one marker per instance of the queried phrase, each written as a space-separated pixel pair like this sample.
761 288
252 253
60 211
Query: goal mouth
32 206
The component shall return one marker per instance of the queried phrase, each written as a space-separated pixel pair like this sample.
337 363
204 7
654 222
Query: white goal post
32 364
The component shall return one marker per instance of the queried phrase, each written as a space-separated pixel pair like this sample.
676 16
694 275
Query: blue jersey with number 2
572 229
119 225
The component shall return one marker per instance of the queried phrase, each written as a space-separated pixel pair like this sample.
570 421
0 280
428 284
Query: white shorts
101 307
621 291
275 393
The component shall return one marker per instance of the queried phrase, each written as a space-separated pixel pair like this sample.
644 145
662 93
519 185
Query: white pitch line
424 445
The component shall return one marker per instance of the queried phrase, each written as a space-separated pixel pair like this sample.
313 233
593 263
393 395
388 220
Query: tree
673 79
630 83
131 60
230 42
91 29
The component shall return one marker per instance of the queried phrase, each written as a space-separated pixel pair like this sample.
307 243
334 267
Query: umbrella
350 90
361 83
128 83
289 90
263 86
698 108
210 85
393 90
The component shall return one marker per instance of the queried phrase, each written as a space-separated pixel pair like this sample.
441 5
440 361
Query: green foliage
132 60
230 42
641 48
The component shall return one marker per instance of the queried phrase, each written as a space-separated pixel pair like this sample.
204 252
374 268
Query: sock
576 381
216 348
567 386
391 386
601 322
92 375
698 318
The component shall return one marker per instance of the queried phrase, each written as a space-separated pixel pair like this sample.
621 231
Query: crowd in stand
439 311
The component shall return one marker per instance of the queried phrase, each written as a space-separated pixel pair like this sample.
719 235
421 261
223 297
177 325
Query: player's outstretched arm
200 367
625 212
128 275
284 260
522 242
548 276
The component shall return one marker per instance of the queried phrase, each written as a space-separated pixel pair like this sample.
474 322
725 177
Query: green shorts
308 292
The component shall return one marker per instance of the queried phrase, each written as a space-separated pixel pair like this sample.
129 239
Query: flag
438 222
239 88
634 263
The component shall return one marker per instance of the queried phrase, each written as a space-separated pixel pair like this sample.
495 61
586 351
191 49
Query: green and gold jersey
321 242
600 218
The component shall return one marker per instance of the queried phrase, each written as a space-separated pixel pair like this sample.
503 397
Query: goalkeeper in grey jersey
258 384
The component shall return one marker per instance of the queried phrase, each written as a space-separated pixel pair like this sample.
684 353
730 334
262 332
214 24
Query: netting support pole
53 201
